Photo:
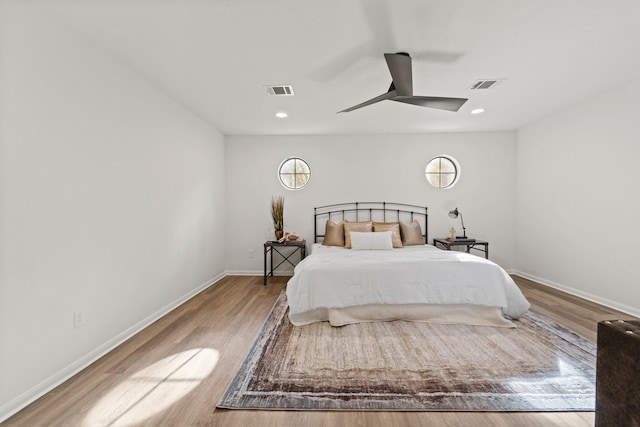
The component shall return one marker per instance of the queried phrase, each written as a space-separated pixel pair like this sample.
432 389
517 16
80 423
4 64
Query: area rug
408 366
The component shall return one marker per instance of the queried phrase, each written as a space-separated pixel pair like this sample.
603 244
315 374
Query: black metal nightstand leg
264 276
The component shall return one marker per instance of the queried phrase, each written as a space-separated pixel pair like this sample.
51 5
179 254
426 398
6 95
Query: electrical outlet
78 319
252 253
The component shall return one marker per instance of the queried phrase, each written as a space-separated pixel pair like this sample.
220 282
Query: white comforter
335 277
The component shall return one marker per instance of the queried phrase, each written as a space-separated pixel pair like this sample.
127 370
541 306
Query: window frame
440 173
295 173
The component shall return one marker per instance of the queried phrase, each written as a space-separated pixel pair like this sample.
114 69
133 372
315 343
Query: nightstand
288 248
479 245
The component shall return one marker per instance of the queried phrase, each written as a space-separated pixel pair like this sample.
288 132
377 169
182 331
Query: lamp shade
454 213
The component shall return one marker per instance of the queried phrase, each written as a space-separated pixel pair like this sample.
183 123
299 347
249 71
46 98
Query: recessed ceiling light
281 115
477 111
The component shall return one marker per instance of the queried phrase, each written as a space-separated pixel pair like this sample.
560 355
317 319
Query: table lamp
454 214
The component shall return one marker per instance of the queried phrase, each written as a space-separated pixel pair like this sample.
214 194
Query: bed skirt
467 314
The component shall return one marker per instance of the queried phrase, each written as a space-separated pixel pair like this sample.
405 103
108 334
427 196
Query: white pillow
371 241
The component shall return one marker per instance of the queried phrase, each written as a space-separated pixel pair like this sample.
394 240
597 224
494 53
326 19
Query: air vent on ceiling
280 90
486 84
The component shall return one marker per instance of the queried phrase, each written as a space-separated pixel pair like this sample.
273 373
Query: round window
294 173
442 171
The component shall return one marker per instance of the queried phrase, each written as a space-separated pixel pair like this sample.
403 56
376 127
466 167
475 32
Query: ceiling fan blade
400 67
450 104
389 95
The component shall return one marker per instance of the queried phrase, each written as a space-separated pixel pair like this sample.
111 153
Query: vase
279 234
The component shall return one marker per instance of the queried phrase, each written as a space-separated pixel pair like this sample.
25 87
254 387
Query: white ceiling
215 56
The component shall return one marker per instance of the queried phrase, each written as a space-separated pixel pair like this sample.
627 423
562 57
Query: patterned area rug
388 366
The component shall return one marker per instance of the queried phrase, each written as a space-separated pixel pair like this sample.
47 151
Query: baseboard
585 295
37 391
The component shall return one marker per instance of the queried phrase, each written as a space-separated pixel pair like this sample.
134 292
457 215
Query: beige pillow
393 227
333 234
411 234
360 227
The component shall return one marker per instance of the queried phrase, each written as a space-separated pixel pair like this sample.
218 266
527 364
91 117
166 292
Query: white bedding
334 277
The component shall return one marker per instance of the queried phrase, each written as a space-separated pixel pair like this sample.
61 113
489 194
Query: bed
391 274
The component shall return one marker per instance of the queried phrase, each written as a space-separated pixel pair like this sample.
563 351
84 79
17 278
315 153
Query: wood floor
174 372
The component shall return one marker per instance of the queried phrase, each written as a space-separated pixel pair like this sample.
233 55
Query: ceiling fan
401 89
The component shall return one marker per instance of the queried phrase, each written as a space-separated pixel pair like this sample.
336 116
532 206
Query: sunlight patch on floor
554 419
153 388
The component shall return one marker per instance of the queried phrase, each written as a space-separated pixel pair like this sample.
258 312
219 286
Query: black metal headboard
369 211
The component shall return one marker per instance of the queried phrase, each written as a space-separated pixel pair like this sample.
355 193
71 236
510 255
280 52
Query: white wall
111 203
577 207
370 168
